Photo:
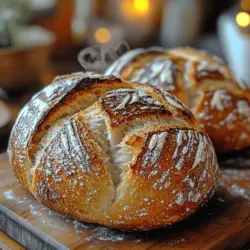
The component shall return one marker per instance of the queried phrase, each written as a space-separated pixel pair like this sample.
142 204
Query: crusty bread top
39 120
125 104
107 151
162 66
204 83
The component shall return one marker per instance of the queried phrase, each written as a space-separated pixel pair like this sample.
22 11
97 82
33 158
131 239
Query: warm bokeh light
102 35
134 9
141 5
243 19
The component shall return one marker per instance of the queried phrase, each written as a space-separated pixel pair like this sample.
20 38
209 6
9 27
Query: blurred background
40 39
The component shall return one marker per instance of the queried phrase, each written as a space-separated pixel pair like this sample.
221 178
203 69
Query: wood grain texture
222 224
6 243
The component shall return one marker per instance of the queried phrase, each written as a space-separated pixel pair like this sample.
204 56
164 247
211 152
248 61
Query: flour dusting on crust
159 73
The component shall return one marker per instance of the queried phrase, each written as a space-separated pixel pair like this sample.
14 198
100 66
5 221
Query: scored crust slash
107 151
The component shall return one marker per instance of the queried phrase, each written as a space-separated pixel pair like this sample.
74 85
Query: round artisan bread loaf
106 151
204 83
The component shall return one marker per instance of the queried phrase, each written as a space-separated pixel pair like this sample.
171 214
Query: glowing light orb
141 5
243 19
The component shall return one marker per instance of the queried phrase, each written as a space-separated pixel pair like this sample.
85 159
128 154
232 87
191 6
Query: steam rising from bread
97 58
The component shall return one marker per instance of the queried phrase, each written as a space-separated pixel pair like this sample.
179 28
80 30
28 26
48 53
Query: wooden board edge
19 232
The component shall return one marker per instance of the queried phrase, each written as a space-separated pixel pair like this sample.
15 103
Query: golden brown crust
193 77
127 104
111 152
227 119
165 182
46 109
61 180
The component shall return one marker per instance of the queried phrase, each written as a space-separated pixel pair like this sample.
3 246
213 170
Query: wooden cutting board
222 224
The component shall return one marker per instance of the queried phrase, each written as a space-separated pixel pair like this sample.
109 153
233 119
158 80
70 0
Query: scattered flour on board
8 194
240 191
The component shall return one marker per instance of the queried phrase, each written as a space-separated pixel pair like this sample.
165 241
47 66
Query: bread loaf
106 151
204 83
